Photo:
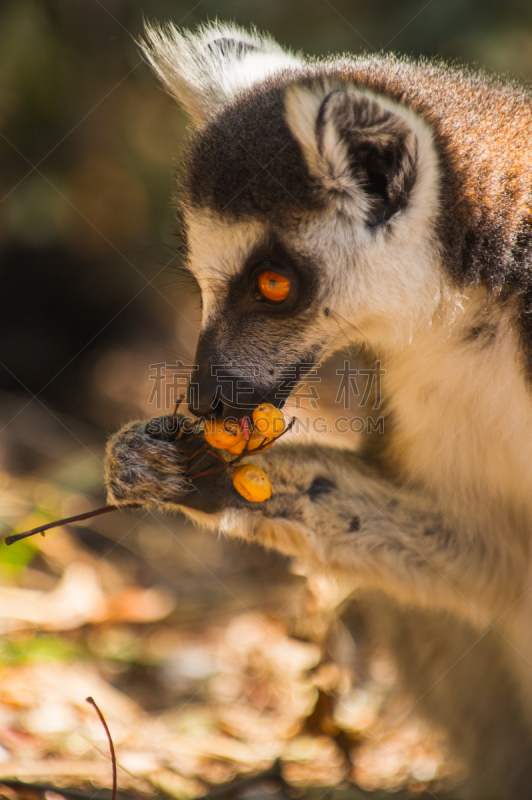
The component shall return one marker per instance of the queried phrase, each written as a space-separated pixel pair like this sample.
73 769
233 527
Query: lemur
394 196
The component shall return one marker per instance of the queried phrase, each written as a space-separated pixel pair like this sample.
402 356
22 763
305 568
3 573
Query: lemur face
262 347
296 171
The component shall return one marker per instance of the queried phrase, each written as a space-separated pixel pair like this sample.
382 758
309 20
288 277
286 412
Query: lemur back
395 199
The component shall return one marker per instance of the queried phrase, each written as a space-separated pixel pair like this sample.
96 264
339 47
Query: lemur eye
273 286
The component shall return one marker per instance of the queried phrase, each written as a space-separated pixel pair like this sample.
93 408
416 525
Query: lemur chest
461 425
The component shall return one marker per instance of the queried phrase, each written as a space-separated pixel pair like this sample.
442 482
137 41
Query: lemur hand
162 462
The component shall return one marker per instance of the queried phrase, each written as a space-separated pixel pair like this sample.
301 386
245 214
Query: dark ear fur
359 147
381 150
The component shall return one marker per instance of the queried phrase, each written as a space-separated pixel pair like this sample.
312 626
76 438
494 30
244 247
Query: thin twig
208 471
207 449
244 454
262 446
92 702
203 449
16 537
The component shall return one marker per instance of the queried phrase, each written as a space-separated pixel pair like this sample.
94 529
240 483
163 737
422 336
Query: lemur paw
155 464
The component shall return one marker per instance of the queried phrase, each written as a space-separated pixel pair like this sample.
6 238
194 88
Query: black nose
221 396
220 387
203 393
204 396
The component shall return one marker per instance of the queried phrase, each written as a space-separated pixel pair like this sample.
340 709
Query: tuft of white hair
206 69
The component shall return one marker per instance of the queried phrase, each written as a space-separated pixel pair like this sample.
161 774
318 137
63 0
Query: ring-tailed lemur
395 196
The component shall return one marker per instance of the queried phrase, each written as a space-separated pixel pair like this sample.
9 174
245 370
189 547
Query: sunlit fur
438 287
203 79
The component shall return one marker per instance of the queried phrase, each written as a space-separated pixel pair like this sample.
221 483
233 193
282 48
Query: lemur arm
328 507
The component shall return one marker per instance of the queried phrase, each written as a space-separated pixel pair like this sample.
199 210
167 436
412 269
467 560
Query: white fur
463 417
218 248
204 80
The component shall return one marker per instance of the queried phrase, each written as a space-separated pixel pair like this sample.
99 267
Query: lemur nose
204 394
204 391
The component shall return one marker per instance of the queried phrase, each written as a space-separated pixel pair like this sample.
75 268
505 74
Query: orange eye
273 286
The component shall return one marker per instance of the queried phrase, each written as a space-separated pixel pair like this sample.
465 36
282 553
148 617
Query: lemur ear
207 69
363 149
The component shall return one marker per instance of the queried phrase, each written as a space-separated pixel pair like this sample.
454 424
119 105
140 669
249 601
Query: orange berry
237 448
223 434
268 421
252 483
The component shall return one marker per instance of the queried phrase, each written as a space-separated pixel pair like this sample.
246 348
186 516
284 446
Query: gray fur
132 454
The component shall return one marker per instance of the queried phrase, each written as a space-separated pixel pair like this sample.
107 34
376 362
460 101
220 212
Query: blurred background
211 659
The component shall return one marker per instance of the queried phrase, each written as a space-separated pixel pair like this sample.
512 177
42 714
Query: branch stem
92 702
16 537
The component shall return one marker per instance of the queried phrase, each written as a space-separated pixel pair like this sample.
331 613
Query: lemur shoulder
396 197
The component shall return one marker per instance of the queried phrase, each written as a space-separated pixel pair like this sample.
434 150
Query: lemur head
297 171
